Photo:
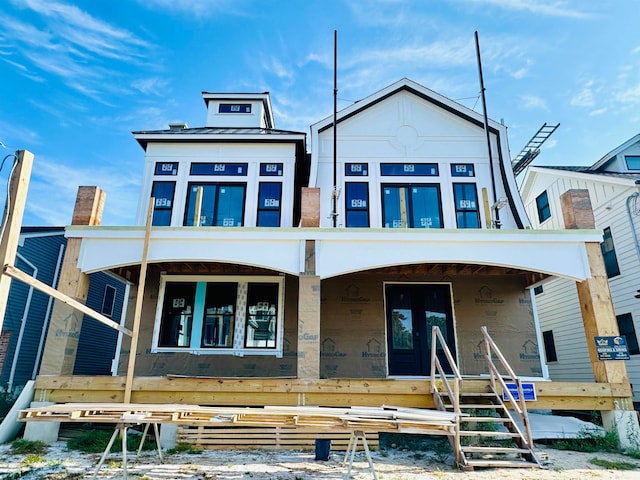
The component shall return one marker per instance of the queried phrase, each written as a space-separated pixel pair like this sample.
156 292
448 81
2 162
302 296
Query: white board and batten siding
558 305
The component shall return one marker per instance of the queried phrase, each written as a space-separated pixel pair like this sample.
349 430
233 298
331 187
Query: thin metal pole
486 130
334 193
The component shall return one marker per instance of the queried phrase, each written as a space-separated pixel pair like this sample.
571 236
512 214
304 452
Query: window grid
542 204
357 204
163 193
609 254
466 204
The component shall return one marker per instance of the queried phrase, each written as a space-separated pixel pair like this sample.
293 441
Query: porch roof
339 251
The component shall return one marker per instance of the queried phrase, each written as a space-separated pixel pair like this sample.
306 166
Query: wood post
64 330
133 349
12 219
599 319
309 317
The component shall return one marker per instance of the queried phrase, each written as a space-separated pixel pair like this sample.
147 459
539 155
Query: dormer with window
238 171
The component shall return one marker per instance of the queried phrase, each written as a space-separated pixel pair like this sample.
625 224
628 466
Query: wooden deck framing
414 393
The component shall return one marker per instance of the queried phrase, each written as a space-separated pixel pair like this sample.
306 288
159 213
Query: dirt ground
391 464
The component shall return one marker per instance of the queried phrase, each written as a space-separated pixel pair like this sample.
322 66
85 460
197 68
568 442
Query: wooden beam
12 218
27 279
139 300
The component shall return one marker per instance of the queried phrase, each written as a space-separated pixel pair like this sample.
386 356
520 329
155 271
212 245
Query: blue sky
77 77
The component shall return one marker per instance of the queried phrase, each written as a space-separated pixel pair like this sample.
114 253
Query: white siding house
613 183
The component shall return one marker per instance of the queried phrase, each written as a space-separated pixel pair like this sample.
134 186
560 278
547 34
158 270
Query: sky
76 78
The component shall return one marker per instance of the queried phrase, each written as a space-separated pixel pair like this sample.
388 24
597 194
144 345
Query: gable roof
425 93
603 161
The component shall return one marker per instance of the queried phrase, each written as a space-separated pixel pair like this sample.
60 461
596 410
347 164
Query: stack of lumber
269 426
385 418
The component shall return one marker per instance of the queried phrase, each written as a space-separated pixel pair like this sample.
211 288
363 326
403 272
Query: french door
411 310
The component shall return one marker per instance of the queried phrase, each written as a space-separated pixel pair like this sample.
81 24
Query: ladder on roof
531 150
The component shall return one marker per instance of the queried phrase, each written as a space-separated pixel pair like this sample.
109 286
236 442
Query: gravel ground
392 464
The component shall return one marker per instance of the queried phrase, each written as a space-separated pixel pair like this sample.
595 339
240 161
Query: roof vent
177 126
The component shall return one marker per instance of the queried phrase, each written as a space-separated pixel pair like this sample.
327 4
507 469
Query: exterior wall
404 129
354 332
558 305
35 252
211 365
96 348
251 153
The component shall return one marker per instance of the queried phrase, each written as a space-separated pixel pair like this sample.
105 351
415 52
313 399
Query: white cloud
600 111
199 8
584 98
533 102
538 7
82 51
54 186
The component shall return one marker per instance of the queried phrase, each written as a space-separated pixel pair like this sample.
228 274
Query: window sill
221 351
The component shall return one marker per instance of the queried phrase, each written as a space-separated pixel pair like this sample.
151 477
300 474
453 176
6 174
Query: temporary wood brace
18 274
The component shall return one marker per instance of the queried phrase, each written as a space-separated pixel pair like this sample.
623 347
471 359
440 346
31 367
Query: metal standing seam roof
219 131
590 171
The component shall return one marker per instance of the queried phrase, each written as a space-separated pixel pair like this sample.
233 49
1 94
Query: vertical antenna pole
496 213
334 194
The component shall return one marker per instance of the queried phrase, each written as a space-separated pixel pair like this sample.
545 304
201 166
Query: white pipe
47 315
23 323
123 314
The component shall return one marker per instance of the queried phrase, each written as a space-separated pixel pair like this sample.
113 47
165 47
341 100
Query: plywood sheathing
310 207
64 331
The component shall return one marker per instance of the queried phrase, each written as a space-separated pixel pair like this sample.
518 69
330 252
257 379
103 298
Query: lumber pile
372 419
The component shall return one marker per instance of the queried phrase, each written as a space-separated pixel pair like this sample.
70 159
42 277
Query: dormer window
234 108
633 162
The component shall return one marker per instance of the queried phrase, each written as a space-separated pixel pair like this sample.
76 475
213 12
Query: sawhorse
351 452
122 429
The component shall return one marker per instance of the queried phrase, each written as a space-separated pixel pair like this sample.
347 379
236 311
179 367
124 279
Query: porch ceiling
341 251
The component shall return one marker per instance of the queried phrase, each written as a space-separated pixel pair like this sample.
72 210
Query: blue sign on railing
528 391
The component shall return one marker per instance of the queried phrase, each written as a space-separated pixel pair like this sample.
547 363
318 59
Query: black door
412 309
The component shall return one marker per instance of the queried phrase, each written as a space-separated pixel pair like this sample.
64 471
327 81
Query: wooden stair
487 435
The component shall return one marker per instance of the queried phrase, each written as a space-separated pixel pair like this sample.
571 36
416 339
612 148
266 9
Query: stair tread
486 419
485 406
485 433
479 449
502 463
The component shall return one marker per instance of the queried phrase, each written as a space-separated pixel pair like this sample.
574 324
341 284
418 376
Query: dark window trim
410 206
108 312
543 207
629 334
609 254
356 209
269 208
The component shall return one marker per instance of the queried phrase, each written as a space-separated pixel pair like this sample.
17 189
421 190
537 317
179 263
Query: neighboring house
254 297
613 184
40 253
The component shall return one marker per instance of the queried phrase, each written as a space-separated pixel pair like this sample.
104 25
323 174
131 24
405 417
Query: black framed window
219 169
409 169
462 170
215 204
465 197
269 200
549 346
271 169
357 204
628 331
220 315
262 312
538 290
164 168
234 108
356 169
108 300
542 204
411 206
163 193
609 254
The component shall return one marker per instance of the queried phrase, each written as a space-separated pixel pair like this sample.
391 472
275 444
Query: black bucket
323 448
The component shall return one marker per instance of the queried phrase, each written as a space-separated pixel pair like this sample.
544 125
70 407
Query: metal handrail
519 406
